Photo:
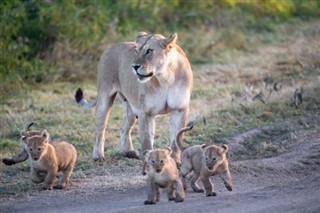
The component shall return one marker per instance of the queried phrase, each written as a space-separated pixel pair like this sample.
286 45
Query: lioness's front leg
178 120
129 119
146 132
103 109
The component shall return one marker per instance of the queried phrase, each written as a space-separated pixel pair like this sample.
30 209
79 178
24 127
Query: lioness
23 154
47 159
205 161
162 172
152 76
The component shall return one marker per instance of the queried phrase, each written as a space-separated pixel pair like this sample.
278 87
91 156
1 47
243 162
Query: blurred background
62 40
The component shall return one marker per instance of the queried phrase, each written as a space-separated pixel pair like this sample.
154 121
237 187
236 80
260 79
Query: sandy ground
287 182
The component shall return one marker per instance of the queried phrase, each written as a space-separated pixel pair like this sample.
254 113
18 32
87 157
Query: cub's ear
45 135
24 136
140 36
168 150
146 154
203 146
169 42
224 149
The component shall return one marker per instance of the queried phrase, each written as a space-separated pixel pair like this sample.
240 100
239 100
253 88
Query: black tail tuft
29 125
79 95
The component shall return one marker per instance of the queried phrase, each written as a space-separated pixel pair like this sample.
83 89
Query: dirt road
287 182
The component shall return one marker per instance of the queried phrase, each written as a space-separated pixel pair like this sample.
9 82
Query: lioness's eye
39 149
214 159
149 51
30 149
152 161
161 161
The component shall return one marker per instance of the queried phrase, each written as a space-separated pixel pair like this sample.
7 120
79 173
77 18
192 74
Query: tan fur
47 159
205 161
163 173
152 76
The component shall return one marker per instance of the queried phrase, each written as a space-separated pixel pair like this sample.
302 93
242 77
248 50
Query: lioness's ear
140 36
170 41
224 148
45 135
168 150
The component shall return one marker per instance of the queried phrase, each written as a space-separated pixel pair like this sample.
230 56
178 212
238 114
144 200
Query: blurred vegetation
59 40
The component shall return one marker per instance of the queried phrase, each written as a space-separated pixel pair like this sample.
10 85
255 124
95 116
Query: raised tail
181 146
83 102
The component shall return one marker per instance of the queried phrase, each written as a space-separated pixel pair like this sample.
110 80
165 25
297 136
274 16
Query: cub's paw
47 188
131 154
149 202
171 198
198 190
8 161
211 194
59 187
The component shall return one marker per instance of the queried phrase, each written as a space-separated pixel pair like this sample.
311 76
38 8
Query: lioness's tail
181 146
83 102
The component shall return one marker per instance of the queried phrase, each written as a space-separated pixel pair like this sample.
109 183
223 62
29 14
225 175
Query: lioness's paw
211 194
179 199
59 187
8 161
149 202
98 159
131 154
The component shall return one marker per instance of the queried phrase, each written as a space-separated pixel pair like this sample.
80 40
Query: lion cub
47 159
162 172
205 161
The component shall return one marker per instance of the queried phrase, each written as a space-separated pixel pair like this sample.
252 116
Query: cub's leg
152 190
185 169
49 180
129 119
65 178
208 186
194 184
37 176
103 110
178 119
180 194
158 193
227 180
171 194
20 157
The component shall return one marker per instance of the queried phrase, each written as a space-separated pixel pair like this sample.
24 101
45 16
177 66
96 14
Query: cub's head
152 55
214 155
35 144
157 159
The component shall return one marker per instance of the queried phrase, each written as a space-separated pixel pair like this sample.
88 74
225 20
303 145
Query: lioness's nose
136 66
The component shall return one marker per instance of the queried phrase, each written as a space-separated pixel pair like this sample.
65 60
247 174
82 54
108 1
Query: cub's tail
181 146
83 102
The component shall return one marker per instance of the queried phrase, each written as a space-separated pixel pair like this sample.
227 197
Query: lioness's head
36 145
157 159
152 55
214 155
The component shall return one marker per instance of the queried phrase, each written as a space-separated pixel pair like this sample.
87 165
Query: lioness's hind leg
128 121
103 110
